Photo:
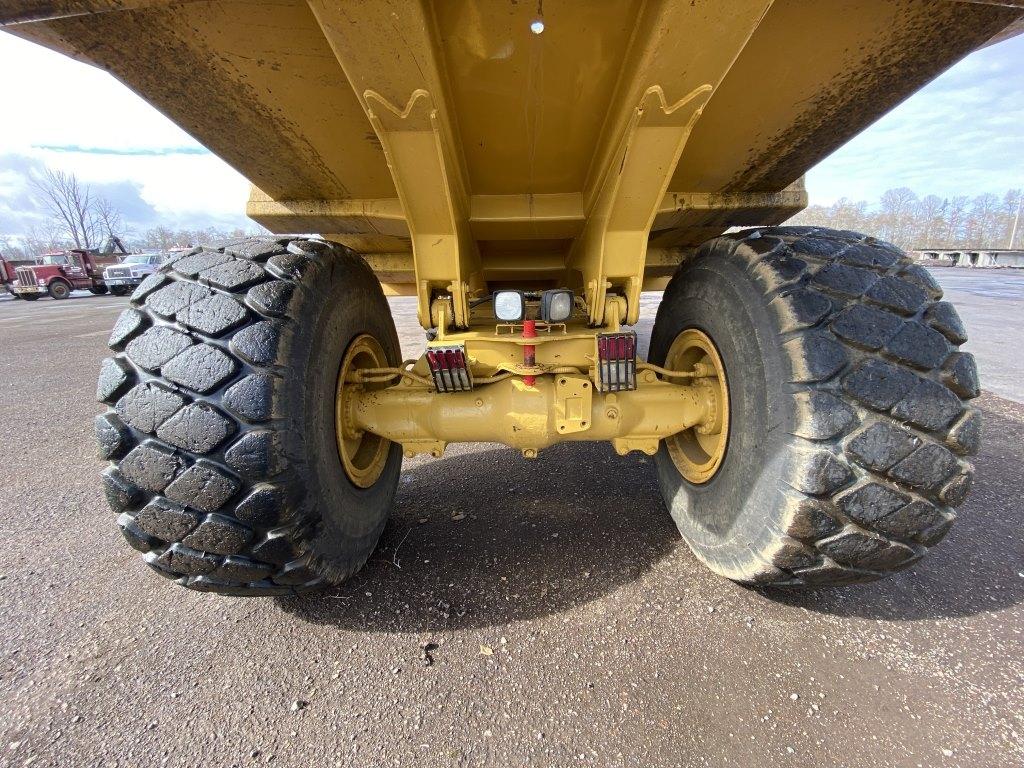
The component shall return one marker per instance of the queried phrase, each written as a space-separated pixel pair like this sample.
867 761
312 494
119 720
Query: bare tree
108 218
982 221
848 214
160 238
956 214
985 221
45 238
1010 216
930 217
70 203
10 250
896 213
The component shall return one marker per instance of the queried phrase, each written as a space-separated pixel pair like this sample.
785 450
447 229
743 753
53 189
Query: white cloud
172 184
74 117
54 100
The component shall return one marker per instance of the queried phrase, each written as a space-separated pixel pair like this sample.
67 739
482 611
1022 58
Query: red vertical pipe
529 350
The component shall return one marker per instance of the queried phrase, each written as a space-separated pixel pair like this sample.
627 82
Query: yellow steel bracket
612 248
444 253
573 396
405 96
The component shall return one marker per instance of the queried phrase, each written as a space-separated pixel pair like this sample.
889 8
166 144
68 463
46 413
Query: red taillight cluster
616 361
449 369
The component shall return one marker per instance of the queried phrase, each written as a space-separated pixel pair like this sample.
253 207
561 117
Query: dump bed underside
593 152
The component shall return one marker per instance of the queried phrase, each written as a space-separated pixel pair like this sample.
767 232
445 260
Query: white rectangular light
556 306
509 306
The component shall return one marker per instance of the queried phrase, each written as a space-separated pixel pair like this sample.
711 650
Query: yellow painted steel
699 450
463 146
461 151
401 404
363 454
557 408
491 351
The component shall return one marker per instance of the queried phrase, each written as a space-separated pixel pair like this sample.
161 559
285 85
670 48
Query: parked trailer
526 170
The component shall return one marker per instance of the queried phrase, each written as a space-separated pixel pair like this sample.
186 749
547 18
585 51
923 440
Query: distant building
969 257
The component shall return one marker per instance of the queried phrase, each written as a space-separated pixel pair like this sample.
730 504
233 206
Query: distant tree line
76 217
164 239
909 221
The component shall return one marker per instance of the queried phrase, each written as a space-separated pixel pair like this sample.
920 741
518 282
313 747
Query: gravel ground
516 613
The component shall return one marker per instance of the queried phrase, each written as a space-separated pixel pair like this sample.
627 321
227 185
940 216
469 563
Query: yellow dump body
462 145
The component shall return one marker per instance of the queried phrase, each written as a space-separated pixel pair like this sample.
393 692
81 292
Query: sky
73 117
962 134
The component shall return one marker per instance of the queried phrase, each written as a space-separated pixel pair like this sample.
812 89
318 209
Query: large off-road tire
59 290
225 469
849 428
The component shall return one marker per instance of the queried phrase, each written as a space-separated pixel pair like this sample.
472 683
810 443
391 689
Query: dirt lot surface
516 613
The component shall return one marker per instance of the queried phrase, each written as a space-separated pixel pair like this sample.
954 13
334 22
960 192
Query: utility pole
1016 221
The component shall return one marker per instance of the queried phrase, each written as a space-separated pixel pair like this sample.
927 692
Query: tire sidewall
715 294
343 302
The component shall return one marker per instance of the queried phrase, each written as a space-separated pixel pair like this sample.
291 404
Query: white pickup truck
122 277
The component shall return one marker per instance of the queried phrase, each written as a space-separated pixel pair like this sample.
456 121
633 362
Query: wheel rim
363 454
698 452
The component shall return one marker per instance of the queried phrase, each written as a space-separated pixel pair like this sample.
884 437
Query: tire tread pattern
883 423
196 474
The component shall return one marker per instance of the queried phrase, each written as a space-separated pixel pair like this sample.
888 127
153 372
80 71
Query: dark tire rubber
98 290
224 468
29 296
848 405
119 290
59 290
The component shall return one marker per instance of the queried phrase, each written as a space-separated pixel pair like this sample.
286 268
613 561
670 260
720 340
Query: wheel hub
363 454
698 452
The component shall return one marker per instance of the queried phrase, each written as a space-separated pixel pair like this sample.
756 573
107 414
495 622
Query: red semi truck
58 274
8 273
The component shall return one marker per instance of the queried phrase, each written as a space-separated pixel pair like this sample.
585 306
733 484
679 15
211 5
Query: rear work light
616 361
556 306
449 369
509 306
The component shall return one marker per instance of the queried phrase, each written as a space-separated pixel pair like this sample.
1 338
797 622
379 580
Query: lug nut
529 453
612 413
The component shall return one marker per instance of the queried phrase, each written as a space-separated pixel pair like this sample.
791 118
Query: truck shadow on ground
484 537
